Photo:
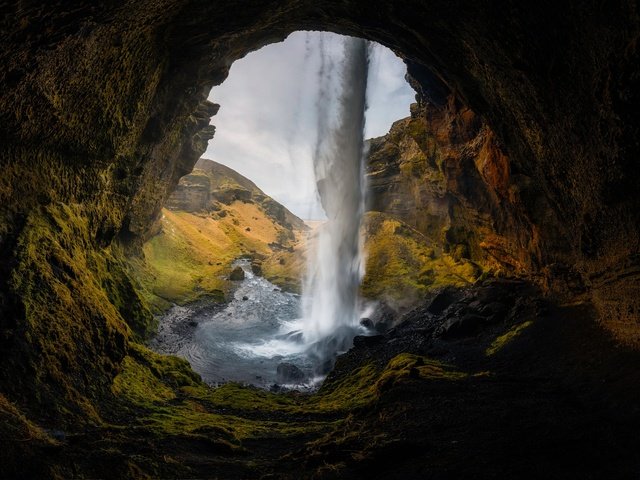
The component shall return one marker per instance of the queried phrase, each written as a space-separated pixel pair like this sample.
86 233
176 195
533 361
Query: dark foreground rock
528 390
533 391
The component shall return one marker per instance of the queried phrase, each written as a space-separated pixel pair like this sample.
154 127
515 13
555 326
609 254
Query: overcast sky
266 126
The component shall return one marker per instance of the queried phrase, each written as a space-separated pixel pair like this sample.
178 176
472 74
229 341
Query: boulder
366 323
237 274
462 326
290 373
366 341
441 302
256 268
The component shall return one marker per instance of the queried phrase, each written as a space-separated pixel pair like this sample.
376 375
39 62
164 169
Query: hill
215 216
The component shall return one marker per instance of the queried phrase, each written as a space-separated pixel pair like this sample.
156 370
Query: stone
367 323
256 268
441 302
237 275
289 373
462 326
360 341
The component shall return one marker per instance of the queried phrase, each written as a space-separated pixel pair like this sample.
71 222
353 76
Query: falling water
330 299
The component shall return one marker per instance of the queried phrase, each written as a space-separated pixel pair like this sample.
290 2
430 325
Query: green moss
500 342
367 383
352 391
73 333
403 265
137 384
408 365
234 396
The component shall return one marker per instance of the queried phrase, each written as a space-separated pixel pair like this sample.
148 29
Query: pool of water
244 340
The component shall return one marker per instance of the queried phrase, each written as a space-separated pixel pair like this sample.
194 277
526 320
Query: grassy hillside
191 257
230 217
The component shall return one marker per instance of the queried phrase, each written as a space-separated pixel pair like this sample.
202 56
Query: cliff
212 185
442 172
439 186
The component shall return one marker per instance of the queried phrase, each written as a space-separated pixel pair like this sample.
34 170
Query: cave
104 108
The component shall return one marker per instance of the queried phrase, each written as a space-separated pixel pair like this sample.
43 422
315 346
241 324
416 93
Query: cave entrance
249 228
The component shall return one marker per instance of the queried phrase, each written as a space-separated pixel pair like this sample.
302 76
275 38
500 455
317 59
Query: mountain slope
214 217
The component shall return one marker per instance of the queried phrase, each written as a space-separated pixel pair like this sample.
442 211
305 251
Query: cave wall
103 108
443 172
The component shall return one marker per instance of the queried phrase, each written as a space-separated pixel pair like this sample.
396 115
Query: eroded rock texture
443 172
103 107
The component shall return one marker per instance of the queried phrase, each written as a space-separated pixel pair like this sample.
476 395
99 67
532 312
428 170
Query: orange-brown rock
103 107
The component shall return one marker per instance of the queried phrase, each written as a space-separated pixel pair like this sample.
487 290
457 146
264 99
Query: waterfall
330 297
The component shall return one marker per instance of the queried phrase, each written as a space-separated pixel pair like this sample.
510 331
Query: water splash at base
330 297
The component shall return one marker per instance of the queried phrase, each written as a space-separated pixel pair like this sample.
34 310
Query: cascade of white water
330 297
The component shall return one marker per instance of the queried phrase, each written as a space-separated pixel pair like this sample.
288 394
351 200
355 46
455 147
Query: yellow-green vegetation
403 265
61 276
367 383
169 399
507 337
192 255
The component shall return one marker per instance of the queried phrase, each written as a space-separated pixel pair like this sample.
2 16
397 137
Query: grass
192 256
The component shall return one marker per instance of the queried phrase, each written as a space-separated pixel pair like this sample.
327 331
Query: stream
244 340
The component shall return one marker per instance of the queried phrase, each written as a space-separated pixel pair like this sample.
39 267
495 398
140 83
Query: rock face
442 173
212 185
103 108
290 373
192 194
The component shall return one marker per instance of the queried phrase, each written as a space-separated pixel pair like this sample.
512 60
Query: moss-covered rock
404 265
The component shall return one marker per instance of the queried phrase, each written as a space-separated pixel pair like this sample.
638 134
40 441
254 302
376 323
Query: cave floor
486 382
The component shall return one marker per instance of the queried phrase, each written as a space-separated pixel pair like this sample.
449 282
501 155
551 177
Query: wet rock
237 274
366 323
441 302
256 268
496 310
463 326
289 373
367 341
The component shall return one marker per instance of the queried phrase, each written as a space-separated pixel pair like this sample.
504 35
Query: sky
266 126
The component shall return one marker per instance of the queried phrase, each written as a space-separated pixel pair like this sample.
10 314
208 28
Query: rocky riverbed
247 340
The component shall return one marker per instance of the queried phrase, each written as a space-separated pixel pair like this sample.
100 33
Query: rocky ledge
489 381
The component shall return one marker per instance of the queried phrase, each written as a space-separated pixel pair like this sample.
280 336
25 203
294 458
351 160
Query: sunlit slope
215 217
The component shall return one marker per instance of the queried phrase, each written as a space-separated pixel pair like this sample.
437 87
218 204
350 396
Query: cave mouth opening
281 108
556 89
